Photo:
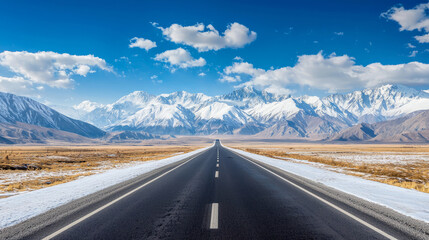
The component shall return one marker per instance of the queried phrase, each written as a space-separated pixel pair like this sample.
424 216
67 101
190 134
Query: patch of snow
21 207
406 201
57 157
22 176
370 157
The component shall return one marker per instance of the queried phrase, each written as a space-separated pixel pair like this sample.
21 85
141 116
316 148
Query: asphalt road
216 195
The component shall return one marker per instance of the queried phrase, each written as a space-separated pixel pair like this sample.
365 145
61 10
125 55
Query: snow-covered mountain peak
311 100
392 90
250 96
183 98
383 102
136 98
222 111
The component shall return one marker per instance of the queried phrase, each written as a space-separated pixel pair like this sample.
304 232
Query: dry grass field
400 165
26 168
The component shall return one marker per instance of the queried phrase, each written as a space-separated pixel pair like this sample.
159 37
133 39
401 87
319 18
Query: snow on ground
406 201
16 177
371 157
21 207
380 158
56 157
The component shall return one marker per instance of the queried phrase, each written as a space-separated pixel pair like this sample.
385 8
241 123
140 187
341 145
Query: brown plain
74 161
412 175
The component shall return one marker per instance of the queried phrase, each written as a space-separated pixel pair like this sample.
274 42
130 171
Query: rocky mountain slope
15 109
413 127
22 133
127 137
23 120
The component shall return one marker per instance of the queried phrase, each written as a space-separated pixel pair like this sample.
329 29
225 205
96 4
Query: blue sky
355 31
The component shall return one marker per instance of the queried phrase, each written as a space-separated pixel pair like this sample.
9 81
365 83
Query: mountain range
24 120
249 111
367 115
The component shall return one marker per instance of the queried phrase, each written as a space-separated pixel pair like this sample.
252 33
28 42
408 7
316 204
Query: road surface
217 194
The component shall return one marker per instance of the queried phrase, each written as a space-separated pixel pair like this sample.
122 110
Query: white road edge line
61 230
216 174
328 203
214 216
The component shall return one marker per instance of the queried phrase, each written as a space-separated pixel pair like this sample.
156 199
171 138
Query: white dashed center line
216 174
214 216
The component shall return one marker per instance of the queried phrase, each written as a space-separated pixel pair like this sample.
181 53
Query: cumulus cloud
49 68
179 58
229 78
332 73
142 43
416 18
87 106
339 33
206 38
17 85
201 74
423 38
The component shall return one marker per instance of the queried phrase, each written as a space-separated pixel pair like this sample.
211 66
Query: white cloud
16 85
82 70
413 53
87 106
423 38
180 58
154 77
333 73
50 68
416 18
409 45
142 43
229 78
205 38
123 59
243 67
237 58
201 74
339 33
